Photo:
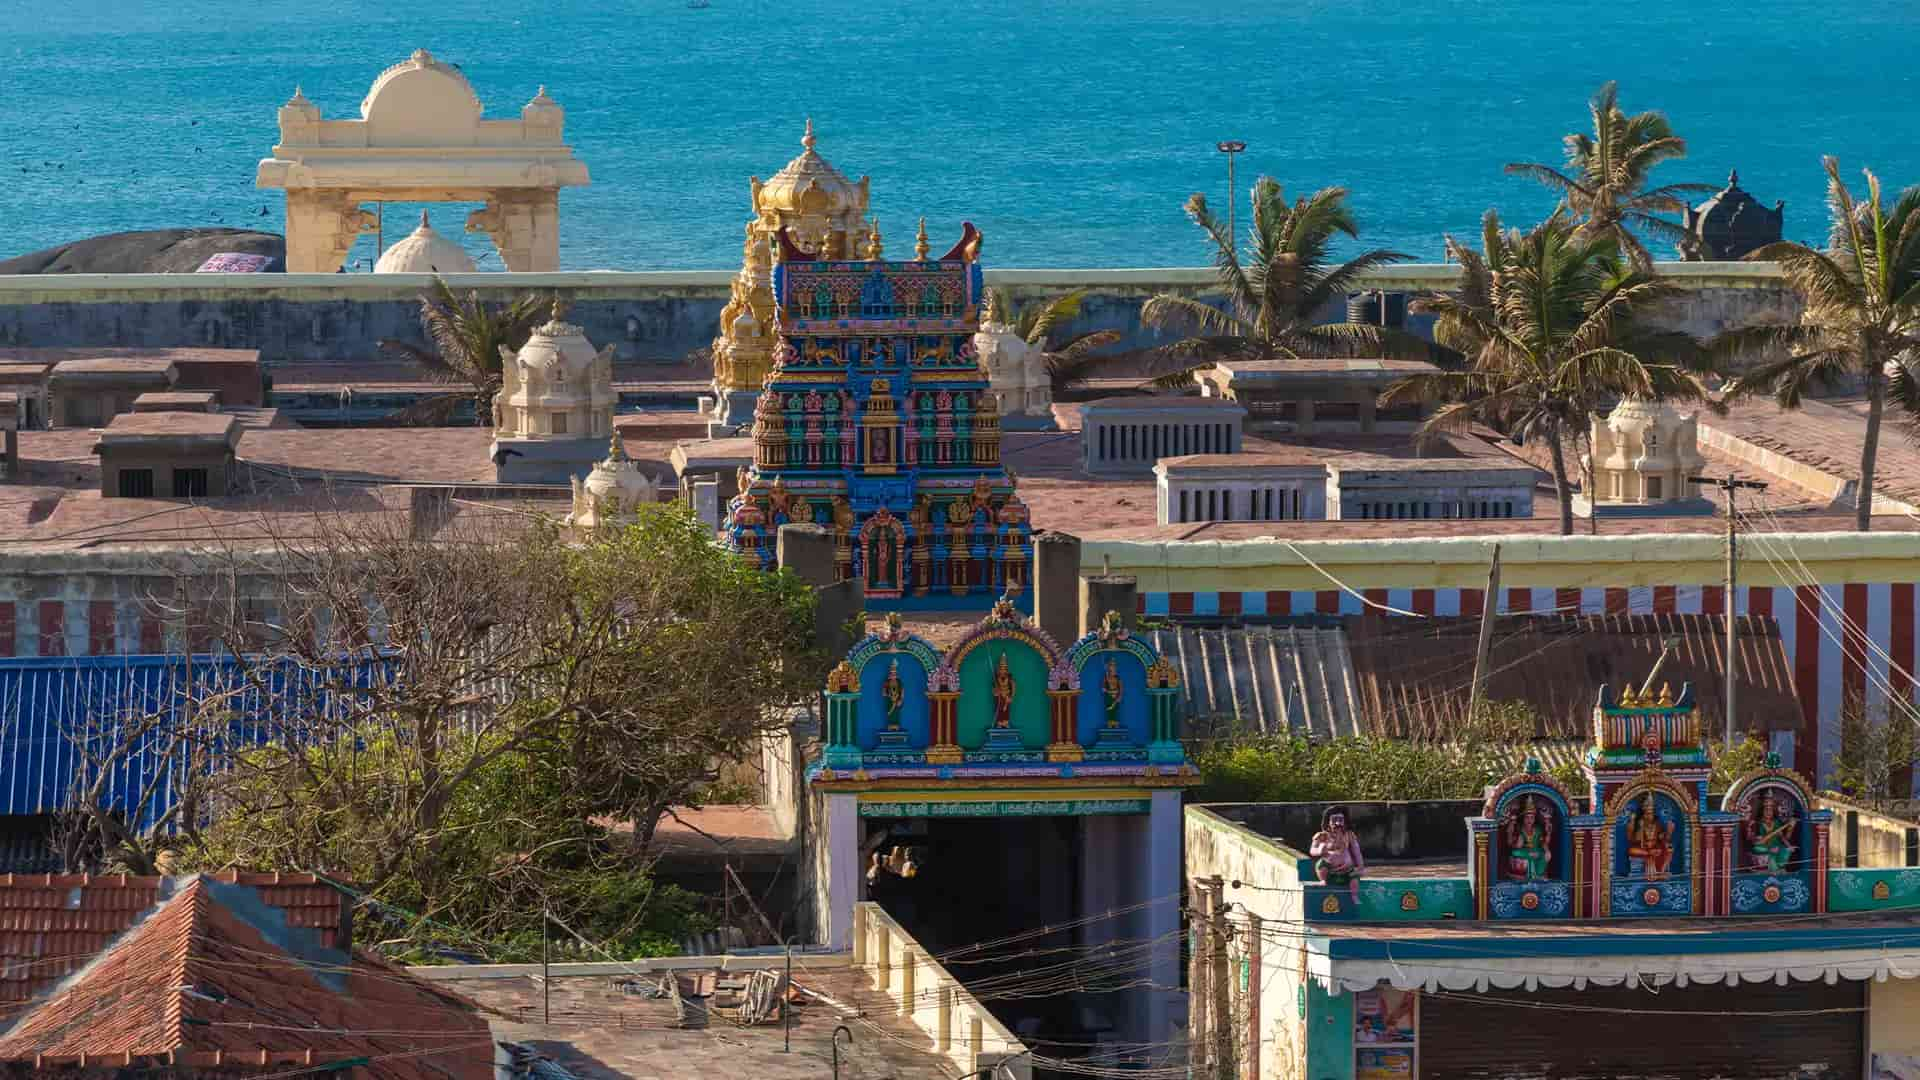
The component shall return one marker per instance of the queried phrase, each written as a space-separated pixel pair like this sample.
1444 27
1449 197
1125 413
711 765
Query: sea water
1070 133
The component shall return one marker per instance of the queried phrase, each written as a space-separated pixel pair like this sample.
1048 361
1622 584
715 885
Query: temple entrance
983 888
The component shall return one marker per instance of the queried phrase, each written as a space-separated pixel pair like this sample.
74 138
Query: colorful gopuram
1008 723
1005 694
1646 842
825 214
878 422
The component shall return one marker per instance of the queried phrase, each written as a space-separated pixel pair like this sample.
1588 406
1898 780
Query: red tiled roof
196 983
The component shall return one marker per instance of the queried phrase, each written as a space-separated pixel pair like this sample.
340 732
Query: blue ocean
1069 132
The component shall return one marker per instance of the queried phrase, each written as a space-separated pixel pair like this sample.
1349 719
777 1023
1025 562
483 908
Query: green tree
1605 179
1273 299
1547 320
467 335
1039 323
1861 320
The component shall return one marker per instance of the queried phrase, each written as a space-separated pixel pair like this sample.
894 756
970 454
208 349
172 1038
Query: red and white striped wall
1829 662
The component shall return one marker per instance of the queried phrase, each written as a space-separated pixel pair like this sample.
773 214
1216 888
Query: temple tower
878 421
825 215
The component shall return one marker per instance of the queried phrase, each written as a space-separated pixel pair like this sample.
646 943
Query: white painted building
1284 485
1126 435
1366 487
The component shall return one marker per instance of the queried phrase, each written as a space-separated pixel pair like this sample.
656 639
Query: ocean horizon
1069 133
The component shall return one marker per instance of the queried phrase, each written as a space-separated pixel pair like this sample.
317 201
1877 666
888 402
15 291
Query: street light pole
1231 147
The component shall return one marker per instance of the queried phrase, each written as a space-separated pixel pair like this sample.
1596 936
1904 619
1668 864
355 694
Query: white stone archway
421 138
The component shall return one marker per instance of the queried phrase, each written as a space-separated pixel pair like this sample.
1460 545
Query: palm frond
1170 311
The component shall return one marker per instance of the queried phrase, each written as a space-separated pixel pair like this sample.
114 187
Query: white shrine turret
554 410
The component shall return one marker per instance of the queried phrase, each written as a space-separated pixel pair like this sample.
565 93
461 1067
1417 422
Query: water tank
1368 307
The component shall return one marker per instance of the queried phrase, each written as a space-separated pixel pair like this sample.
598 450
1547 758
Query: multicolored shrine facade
877 421
1005 703
1646 843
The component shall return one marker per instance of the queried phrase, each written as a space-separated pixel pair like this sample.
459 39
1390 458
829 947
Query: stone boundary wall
648 315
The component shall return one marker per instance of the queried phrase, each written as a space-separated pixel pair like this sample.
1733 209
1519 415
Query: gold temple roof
809 184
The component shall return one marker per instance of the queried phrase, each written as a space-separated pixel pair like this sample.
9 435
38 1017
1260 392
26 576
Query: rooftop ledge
1410 277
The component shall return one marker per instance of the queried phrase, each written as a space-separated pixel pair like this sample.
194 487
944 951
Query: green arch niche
1031 714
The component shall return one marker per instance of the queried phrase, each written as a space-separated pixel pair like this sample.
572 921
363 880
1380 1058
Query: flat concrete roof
1147 402
171 424
175 401
114 365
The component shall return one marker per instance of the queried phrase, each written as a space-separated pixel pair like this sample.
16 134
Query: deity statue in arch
882 557
1650 840
895 694
1112 690
1529 836
1003 690
1768 833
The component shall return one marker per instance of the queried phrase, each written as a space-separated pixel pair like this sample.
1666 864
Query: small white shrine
1644 453
554 410
612 492
1017 373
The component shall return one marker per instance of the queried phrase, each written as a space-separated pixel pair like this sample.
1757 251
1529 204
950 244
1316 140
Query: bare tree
452 721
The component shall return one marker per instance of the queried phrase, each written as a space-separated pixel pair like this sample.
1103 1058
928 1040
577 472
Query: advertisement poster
1385 1027
1383 1016
1383 1063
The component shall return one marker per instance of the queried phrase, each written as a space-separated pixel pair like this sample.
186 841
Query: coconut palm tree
1274 298
467 336
1861 320
1547 322
1605 180
1038 324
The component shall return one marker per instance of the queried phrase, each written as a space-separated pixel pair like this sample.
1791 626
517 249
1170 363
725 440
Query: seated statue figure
1767 837
1651 841
1529 843
1336 852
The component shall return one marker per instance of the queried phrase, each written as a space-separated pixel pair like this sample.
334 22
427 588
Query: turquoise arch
1031 714
870 717
1136 715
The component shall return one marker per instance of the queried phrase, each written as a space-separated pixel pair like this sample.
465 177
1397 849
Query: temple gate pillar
524 227
322 225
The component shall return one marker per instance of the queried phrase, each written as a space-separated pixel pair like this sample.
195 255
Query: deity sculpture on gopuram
878 412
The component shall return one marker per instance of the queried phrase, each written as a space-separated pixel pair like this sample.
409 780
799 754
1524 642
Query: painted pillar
842 820
1064 746
1163 872
943 723
843 701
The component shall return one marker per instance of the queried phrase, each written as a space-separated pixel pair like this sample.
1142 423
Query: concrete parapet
922 991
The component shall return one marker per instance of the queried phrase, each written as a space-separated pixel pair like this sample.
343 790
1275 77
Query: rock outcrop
155 251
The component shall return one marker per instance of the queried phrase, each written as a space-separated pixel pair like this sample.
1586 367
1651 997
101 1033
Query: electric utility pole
1728 486
1488 607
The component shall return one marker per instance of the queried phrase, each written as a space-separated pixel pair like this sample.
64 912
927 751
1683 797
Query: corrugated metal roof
64 718
1414 676
1264 678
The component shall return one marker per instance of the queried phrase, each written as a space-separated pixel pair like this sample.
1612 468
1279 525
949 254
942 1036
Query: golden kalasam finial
559 308
920 245
874 247
616 447
1628 699
1666 695
806 140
